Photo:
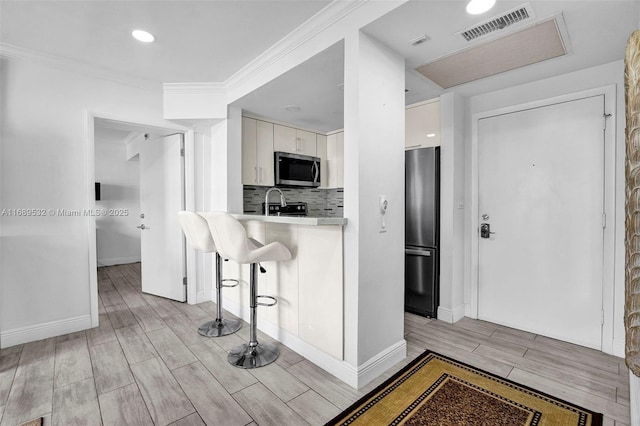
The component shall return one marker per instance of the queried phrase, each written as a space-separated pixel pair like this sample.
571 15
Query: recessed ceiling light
292 108
476 7
431 135
143 36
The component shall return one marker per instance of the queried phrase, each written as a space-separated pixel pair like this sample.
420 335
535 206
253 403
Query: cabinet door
284 139
340 161
305 142
422 125
335 160
249 152
321 152
264 153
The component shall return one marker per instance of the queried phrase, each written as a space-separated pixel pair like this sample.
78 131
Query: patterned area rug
436 390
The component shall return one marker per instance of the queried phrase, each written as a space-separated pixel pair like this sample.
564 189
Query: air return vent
513 16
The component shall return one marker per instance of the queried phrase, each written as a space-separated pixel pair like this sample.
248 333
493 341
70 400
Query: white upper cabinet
321 152
306 142
284 138
334 169
288 139
257 152
422 125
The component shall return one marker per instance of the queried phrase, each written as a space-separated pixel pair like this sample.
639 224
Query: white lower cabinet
309 287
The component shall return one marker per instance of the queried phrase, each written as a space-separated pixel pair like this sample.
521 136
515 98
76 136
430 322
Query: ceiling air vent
513 16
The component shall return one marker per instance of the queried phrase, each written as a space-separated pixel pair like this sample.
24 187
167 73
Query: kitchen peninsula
309 314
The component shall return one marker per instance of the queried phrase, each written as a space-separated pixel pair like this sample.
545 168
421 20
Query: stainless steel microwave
296 170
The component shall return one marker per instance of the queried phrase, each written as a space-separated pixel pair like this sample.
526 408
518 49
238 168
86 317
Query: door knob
485 230
141 226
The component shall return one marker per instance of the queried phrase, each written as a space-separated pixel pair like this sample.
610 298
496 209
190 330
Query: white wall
44 154
595 77
374 166
118 239
451 307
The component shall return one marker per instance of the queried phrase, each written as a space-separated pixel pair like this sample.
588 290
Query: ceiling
209 41
197 41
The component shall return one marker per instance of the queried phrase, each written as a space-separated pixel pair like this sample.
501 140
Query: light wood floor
145 364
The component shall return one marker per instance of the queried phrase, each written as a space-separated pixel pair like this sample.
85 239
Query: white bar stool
198 235
232 242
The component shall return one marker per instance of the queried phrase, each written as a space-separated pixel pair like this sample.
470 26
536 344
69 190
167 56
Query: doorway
543 247
156 154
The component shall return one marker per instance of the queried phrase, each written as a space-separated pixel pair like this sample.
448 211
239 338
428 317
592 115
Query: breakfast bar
308 316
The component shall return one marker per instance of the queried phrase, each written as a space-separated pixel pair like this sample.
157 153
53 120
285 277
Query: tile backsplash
320 202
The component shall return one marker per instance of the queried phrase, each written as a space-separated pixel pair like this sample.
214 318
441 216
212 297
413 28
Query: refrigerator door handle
418 252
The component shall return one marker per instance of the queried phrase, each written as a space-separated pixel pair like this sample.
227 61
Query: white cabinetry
288 139
321 152
257 152
260 139
422 125
306 142
335 160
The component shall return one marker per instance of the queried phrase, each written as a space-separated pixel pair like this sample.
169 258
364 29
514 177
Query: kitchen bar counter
294 220
309 315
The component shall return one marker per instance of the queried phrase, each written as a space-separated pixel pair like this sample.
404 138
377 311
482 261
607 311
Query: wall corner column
374 256
452 230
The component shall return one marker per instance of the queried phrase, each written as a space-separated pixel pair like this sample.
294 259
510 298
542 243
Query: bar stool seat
198 235
231 240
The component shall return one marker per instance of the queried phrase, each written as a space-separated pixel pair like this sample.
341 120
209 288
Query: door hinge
604 220
184 281
601 316
604 121
181 152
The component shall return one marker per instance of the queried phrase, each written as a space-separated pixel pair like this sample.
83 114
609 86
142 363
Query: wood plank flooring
147 365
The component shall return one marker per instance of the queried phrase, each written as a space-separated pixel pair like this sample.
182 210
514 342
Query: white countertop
294 220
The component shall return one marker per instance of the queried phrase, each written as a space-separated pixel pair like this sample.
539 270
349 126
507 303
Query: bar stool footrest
230 285
272 303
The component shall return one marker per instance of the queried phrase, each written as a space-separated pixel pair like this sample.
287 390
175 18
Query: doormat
437 390
36 422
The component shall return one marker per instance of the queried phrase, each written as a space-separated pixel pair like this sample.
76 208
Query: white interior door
161 197
541 190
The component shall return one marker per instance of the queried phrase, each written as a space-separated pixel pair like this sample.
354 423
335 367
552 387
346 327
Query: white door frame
608 283
90 203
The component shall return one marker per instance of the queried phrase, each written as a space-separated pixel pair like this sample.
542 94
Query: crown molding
194 87
312 27
14 52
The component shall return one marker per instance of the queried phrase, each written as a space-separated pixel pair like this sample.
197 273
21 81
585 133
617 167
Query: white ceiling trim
325 28
194 87
66 64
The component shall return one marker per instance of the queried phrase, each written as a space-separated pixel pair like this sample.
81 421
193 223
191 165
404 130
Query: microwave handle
317 171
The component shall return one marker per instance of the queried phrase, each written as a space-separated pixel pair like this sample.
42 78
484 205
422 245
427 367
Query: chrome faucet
283 203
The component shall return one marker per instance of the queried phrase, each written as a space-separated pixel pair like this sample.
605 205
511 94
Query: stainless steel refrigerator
422 231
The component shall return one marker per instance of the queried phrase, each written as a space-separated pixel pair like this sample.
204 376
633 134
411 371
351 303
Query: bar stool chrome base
247 356
219 327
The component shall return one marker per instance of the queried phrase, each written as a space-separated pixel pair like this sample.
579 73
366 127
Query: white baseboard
118 261
381 362
451 315
618 347
355 377
202 296
35 332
